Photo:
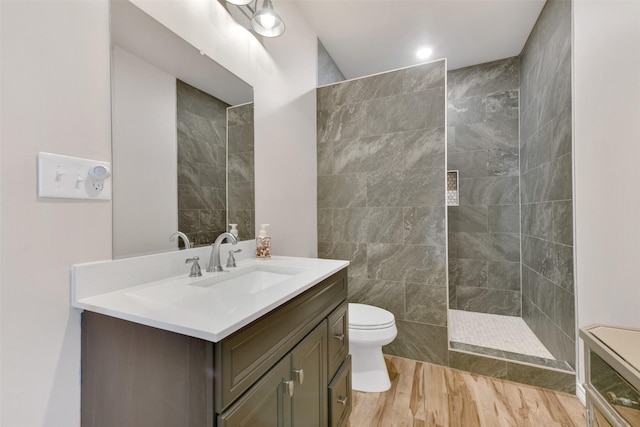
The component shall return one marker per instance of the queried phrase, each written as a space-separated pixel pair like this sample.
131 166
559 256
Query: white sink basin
250 280
226 289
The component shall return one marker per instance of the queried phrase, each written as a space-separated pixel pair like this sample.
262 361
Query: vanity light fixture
264 21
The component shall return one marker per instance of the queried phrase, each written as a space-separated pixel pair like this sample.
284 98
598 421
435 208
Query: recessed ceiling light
424 52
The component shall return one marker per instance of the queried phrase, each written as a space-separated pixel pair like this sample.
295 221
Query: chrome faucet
195 267
185 239
214 259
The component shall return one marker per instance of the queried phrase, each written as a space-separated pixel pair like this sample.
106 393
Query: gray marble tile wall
241 186
328 70
546 182
202 165
381 197
547 199
484 230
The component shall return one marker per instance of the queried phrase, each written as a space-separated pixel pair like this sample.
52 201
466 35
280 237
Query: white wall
145 157
283 74
55 97
607 156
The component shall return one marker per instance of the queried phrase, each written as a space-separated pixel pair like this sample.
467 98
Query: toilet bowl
369 329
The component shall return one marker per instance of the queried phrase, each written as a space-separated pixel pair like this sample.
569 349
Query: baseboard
581 393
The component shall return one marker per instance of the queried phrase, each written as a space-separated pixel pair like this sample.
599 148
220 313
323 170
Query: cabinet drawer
338 338
340 398
243 357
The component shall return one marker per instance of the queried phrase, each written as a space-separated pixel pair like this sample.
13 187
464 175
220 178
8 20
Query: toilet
369 329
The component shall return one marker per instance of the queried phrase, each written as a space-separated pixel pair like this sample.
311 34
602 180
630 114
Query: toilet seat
367 317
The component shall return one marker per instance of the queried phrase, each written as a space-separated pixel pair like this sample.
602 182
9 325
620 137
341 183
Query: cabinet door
309 372
266 404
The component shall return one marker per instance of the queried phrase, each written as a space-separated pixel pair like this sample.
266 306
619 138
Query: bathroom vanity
612 361
287 367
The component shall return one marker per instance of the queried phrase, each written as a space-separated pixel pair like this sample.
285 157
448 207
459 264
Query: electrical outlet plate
68 178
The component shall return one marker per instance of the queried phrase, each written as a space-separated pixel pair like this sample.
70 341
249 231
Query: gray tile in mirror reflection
241 138
212 220
201 128
241 167
211 176
242 195
240 115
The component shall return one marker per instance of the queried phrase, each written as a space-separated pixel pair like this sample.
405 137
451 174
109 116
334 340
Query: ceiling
371 36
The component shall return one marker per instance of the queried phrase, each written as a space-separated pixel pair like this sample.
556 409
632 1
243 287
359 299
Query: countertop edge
208 335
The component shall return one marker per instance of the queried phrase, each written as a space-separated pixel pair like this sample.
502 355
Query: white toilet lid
363 316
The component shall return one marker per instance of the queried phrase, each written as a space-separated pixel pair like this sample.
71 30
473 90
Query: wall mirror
182 140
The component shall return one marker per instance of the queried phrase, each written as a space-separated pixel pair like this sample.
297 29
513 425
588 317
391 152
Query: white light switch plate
68 178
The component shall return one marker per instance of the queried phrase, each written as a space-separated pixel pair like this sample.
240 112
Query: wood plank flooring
422 394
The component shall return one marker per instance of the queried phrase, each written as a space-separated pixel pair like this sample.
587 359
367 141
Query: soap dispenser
234 229
263 243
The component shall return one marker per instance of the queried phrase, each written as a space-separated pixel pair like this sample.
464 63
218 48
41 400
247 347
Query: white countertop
179 304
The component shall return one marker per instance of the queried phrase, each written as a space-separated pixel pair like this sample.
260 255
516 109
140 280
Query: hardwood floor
422 394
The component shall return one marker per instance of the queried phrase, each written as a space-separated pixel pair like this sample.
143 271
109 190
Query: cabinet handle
342 400
300 375
339 337
289 388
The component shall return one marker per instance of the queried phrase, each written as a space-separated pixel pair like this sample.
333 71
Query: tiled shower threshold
504 337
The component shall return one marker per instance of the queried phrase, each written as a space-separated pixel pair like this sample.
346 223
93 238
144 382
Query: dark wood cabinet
276 371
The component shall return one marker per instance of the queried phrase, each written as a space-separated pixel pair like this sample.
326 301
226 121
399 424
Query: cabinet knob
342 400
299 374
289 387
339 337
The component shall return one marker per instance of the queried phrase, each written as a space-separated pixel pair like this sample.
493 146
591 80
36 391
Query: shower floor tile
505 333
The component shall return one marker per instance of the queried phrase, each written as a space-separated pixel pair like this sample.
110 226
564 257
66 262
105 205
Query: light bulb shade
267 22
240 2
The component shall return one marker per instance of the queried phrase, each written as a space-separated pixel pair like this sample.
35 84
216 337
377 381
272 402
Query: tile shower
510 239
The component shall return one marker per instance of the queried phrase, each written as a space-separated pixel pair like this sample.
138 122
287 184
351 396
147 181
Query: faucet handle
231 261
195 267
